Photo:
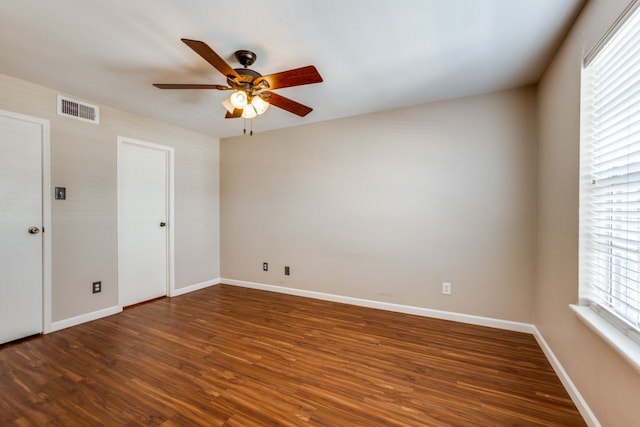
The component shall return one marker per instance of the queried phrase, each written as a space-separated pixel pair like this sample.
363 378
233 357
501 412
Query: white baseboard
575 395
578 400
407 309
88 317
83 318
196 287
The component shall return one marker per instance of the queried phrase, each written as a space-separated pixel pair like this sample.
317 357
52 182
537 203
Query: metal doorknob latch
163 224
33 230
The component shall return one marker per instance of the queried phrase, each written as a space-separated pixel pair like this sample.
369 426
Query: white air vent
78 110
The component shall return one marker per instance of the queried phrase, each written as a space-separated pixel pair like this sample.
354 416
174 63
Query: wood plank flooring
228 356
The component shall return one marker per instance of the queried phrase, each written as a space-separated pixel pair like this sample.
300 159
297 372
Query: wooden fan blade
296 77
287 104
203 49
189 86
237 113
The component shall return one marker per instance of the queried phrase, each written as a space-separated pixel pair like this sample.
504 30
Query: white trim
170 220
88 317
622 344
46 212
83 318
571 388
595 50
46 225
407 309
575 395
171 264
196 287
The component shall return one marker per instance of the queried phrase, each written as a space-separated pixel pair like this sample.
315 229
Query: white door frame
170 203
46 212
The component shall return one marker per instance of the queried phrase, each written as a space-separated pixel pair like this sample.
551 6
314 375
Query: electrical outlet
446 288
96 287
286 270
265 266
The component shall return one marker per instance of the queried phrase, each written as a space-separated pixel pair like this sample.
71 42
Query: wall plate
61 193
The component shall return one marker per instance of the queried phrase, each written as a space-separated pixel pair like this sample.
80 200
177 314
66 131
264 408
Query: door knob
33 230
162 224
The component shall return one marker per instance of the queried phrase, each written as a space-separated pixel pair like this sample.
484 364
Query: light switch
61 193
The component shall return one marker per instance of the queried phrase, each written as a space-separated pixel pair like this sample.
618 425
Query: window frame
622 336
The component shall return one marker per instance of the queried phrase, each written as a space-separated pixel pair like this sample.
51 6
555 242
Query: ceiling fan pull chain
251 133
244 131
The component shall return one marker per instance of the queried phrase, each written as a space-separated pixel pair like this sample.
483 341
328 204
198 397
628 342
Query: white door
21 242
143 221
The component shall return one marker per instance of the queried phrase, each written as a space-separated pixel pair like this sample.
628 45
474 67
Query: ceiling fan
251 91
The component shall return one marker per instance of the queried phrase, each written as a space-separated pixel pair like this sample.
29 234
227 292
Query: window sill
625 346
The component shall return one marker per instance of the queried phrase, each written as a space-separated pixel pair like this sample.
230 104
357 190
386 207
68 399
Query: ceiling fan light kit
249 112
227 104
239 99
259 104
252 94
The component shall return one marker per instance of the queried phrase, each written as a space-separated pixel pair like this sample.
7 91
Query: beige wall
387 206
84 238
609 385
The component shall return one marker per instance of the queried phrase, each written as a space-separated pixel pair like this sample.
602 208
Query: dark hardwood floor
228 356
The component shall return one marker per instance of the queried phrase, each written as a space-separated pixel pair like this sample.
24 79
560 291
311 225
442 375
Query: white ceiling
374 55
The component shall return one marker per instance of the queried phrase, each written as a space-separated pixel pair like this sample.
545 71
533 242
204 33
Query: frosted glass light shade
259 104
228 105
249 112
239 99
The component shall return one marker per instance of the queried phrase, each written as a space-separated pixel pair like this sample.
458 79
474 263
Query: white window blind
610 172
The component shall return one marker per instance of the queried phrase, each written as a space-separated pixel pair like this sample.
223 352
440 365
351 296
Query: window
610 177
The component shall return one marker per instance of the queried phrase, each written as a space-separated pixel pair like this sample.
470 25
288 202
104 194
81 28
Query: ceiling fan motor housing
247 75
